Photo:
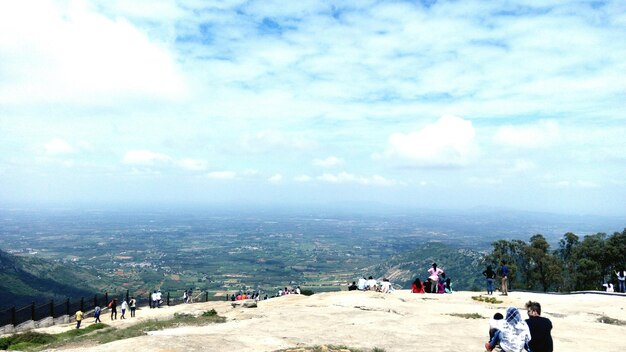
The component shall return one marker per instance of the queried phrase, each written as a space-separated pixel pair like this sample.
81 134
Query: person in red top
417 286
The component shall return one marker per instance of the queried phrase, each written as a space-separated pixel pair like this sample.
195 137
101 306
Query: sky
416 104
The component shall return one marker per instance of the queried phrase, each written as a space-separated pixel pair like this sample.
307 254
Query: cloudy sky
428 104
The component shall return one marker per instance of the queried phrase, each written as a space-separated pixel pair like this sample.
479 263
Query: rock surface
400 321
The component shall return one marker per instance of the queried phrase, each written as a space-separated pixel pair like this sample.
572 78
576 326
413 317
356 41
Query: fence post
206 296
67 306
82 304
52 308
13 320
168 298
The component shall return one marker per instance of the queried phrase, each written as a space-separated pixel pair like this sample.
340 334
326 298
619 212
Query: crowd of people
131 305
258 295
371 284
436 282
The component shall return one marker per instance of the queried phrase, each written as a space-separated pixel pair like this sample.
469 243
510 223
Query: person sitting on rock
353 287
513 333
417 286
428 285
385 286
371 285
362 283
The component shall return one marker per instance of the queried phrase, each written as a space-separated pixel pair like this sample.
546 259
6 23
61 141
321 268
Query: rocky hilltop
400 321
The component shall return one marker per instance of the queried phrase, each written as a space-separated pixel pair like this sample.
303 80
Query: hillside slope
462 266
400 321
23 281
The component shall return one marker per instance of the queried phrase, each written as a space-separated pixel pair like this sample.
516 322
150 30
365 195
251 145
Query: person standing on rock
133 306
124 308
504 271
433 274
490 275
113 306
621 281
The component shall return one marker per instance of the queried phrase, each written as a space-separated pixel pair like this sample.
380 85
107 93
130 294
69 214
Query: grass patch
482 298
210 313
25 341
612 321
467 315
140 329
102 333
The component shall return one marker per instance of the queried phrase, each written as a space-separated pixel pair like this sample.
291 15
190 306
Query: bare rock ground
400 321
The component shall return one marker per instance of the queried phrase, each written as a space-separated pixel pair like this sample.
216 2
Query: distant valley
225 250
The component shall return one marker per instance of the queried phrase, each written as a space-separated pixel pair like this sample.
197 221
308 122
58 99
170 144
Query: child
494 323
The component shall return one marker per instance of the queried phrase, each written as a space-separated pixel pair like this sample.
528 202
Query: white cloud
331 161
58 146
302 178
276 178
250 172
447 142
576 184
222 175
273 140
344 177
192 164
484 181
79 55
542 134
145 157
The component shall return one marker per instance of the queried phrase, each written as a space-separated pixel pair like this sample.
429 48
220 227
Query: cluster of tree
574 266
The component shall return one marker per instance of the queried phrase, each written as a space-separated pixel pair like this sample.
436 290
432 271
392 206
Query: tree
512 253
544 268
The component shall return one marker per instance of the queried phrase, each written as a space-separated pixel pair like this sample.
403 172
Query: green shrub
209 313
467 315
481 298
612 321
307 292
5 342
25 341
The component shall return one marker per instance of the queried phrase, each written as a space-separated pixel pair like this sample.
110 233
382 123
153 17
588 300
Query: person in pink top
434 273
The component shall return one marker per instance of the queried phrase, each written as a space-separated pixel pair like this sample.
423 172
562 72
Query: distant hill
27 280
462 266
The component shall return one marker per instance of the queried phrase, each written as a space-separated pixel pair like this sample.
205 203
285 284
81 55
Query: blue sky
427 104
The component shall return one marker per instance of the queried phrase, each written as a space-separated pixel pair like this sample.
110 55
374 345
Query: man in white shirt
361 284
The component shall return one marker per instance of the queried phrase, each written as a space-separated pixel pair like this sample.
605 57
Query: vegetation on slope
462 266
26 280
574 266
